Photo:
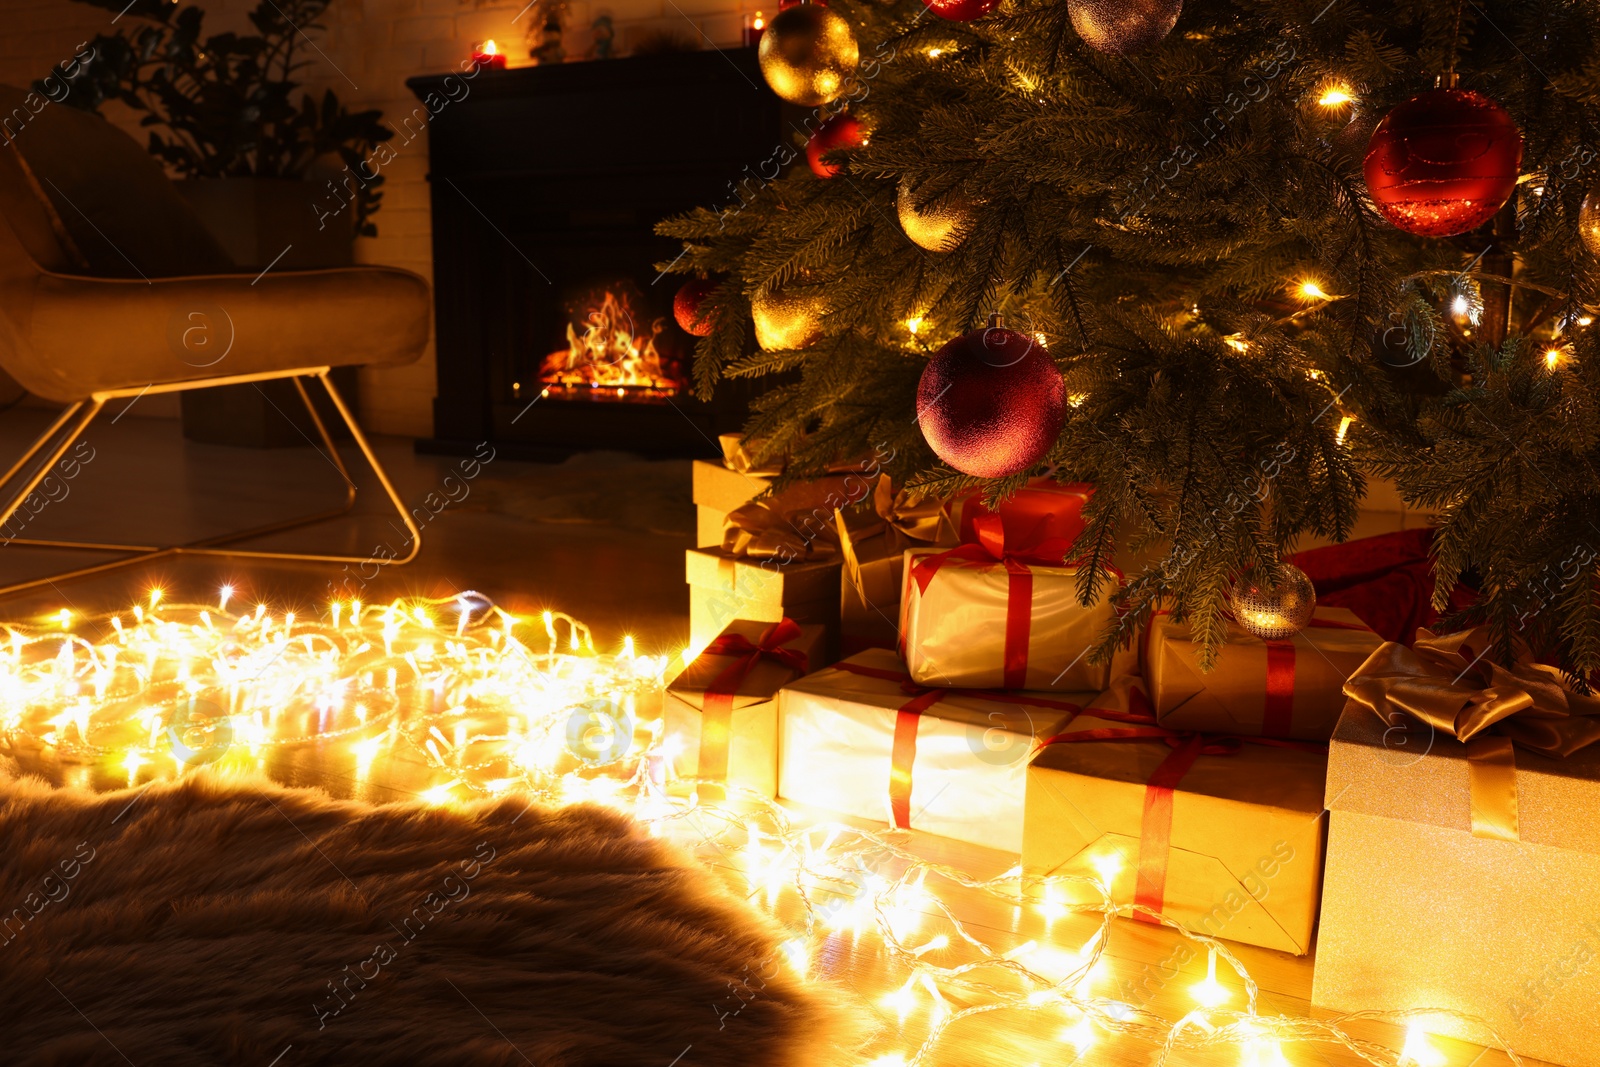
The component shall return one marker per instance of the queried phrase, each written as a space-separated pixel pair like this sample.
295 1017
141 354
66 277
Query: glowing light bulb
155 597
132 762
1080 1036
490 48
1237 343
759 22
1107 865
1310 289
935 53
1344 428
1419 1051
439 794
627 646
65 618
224 595
1335 96
1553 358
1210 993
1460 304
914 324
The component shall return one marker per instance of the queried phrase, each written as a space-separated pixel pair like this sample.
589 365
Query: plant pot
269 224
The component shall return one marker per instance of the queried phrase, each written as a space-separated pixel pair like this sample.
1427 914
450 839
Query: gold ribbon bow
736 456
761 532
1450 683
895 517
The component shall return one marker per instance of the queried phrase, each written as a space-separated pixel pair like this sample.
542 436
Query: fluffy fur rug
209 921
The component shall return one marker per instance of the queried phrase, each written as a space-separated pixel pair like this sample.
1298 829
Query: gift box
1222 835
721 712
1041 510
1464 849
872 545
986 616
862 739
724 587
1291 688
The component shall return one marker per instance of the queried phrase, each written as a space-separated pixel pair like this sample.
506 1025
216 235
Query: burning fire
607 360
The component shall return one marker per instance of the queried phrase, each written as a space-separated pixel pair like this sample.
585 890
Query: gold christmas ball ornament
808 53
1274 613
939 226
1589 221
788 319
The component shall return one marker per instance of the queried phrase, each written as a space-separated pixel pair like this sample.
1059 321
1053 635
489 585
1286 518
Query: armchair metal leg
71 424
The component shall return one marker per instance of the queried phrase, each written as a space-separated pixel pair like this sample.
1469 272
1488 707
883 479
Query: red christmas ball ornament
840 131
686 306
1443 162
961 10
991 402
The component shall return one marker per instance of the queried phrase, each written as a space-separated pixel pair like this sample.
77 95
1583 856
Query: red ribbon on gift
1041 510
1277 717
1155 828
716 714
990 549
903 752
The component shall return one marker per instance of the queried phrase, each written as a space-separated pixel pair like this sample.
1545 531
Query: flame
608 357
489 48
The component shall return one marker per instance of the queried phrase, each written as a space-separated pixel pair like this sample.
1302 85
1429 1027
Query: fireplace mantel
541 177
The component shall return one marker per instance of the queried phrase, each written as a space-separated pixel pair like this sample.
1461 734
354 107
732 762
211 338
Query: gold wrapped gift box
741 735
858 738
1242 857
724 587
1288 688
1465 875
985 624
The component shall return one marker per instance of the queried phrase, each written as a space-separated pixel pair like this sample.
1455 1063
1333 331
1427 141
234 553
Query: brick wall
369 49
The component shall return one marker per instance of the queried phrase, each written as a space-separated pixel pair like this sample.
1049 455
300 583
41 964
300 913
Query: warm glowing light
439 794
1344 428
606 356
1419 1051
1210 993
1310 289
1553 358
1107 865
1080 1036
935 53
1460 304
64 617
914 324
155 597
1237 343
1076 399
490 48
760 22
1335 96
1584 320
224 595
132 762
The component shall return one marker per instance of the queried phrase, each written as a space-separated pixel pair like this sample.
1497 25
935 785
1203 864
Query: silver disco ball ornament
1274 613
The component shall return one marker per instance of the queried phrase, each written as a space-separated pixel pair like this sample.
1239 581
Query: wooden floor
618 580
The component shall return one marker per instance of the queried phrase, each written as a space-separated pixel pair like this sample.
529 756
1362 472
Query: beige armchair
110 287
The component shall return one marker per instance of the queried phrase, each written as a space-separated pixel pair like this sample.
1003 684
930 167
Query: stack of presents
929 667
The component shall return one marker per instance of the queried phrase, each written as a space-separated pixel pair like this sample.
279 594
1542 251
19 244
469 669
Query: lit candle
752 29
488 55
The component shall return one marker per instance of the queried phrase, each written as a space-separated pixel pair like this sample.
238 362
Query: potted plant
279 176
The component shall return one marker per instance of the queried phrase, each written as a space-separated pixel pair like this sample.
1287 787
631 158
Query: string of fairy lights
494 702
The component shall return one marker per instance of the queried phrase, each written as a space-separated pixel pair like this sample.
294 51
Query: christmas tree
1254 304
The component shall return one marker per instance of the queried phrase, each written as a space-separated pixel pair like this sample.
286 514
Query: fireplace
555 330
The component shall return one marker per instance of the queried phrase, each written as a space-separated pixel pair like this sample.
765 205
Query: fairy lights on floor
495 702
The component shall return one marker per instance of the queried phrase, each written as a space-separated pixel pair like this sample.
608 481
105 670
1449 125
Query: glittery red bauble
991 402
686 306
961 10
1443 162
841 131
